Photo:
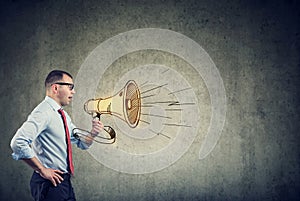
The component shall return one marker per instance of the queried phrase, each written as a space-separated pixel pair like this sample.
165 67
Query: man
43 141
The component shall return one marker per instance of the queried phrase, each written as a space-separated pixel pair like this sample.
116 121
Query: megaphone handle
110 130
98 115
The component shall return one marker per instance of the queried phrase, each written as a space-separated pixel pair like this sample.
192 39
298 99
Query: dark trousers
43 190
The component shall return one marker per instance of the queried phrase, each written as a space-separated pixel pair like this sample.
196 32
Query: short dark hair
54 76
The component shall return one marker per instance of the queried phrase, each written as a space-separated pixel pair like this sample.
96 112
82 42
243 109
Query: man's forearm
88 139
34 163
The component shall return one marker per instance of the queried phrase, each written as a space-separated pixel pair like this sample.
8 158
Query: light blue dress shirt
43 135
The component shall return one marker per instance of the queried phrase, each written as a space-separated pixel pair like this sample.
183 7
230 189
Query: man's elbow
13 144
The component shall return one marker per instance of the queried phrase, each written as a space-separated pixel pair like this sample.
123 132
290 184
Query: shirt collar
52 103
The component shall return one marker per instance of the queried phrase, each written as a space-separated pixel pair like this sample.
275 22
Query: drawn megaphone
126 105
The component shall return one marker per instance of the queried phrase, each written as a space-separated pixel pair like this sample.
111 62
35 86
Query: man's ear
54 88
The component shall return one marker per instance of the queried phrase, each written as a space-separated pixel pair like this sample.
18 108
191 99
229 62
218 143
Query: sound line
173 109
160 134
160 102
147 96
179 91
177 125
171 103
146 122
155 115
177 103
174 103
144 83
165 71
154 88
146 105
142 106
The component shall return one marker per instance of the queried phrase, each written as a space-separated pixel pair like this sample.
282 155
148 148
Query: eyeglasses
70 85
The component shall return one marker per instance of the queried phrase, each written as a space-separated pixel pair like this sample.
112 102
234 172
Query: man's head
59 86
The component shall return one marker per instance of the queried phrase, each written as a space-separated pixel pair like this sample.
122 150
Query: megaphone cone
126 104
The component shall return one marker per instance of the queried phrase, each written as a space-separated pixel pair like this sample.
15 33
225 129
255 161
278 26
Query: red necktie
69 146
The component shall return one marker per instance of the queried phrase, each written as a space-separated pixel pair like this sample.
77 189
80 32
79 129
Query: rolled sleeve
21 149
25 135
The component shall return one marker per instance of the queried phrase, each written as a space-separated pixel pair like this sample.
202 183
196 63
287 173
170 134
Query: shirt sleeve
79 143
25 135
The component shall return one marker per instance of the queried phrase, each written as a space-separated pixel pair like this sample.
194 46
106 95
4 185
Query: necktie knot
61 111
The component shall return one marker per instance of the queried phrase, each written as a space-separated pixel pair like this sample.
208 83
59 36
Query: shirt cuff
22 154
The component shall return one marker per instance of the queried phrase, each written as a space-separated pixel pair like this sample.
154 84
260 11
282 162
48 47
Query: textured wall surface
254 44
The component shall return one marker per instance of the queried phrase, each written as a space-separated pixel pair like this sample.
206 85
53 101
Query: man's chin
66 103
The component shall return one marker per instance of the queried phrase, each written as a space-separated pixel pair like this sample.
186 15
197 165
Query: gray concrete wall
255 45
